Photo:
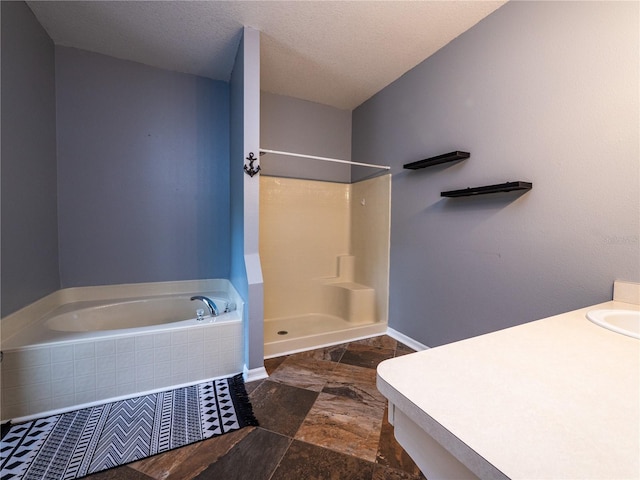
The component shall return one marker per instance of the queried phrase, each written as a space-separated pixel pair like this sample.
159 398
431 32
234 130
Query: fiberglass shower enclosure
324 248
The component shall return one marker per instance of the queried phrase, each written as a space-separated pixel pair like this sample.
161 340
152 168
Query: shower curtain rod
325 159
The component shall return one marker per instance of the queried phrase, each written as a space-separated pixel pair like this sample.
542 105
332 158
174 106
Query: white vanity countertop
557 398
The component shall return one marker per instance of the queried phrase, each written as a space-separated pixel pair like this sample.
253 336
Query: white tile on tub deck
86 366
229 347
195 368
143 342
161 339
107 379
179 379
63 401
125 360
86 396
13 411
210 334
125 389
211 342
211 357
26 376
162 382
145 384
62 370
144 357
84 350
106 364
161 354
10 378
194 361
144 372
194 376
62 353
127 344
32 357
38 406
195 334
37 391
25 358
195 349
179 367
125 376
13 396
212 368
232 329
228 331
179 337
85 383
179 353
62 388
162 369
106 392
105 348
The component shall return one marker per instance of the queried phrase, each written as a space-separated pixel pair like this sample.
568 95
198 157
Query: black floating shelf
429 162
501 187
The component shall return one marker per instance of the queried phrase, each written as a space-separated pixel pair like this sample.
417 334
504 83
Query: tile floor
321 417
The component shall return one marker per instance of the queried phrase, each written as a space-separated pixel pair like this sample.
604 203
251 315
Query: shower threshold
286 335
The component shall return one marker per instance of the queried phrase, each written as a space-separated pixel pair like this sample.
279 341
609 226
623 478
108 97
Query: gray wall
538 91
292 125
143 172
29 206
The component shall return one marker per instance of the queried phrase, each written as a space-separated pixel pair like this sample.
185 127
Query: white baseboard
408 341
254 374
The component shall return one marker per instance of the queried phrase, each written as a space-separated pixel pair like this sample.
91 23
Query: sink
626 322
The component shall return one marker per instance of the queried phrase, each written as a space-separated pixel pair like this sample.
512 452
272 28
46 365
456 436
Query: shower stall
324 248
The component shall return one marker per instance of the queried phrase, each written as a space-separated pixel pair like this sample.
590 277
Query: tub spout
213 309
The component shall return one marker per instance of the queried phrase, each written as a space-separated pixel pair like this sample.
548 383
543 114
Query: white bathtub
85 345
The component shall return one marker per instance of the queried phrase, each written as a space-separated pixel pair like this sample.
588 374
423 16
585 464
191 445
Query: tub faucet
213 309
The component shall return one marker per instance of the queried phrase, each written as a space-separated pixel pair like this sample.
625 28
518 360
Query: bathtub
81 346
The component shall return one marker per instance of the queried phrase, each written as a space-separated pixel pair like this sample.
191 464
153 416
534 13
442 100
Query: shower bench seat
352 301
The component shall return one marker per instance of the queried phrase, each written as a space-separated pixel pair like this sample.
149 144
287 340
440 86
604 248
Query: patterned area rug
75 444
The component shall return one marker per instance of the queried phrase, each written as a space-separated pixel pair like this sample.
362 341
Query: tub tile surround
554 398
42 378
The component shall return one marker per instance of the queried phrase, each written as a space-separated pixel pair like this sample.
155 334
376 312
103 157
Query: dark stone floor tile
186 462
381 472
354 382
255 458
365 355
271 364
343 424
402 349
303 373
119 473
333 353
390 452
281 408
309 462
251 386
382 341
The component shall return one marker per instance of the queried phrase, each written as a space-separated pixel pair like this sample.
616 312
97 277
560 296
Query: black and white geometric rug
75 444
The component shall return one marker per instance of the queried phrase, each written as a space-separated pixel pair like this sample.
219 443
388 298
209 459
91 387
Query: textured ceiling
338 53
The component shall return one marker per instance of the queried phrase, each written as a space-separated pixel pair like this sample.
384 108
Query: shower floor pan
287 335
